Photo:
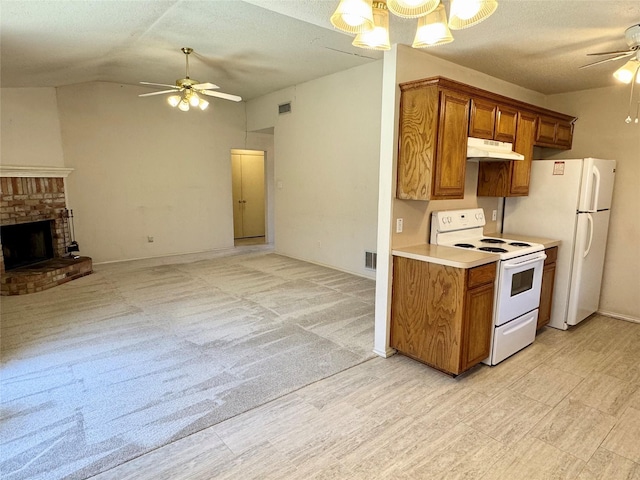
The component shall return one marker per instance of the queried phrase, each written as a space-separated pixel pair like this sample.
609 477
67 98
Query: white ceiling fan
190 90
627 72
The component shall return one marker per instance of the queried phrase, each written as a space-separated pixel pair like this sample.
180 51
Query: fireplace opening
24 244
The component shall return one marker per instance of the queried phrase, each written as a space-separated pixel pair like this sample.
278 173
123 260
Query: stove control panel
451 220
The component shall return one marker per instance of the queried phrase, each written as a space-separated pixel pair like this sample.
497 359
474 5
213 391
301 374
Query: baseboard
333 267
218 252
619 316
385 353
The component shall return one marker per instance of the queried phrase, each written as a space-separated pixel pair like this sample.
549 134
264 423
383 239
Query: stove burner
493 249
519 244
492 240
464 245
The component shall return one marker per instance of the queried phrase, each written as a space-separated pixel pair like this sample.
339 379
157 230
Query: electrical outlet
494 215
399 225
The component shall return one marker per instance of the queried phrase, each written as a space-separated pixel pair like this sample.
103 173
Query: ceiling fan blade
226 96
611 53
160 85
607 60
156 93
205 86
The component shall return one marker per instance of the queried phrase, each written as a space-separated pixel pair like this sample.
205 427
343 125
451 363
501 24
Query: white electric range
518 282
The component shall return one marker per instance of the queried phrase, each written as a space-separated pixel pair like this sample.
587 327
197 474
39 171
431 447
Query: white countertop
450 256
460 257
547 242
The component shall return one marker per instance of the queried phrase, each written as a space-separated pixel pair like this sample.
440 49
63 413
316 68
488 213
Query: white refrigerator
569 200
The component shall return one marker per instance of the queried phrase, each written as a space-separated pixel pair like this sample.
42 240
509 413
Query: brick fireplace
29 195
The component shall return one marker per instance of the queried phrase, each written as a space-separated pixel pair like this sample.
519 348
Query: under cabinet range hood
479 149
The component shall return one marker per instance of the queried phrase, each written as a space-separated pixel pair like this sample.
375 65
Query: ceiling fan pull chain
633 81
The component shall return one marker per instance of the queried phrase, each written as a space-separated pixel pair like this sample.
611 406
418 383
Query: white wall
326 169
30 129
144 169
601 132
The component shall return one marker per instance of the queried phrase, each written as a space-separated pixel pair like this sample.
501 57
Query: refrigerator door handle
596 189
590 219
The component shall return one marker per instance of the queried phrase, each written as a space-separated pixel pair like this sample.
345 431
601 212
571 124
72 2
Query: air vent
284 108
370 260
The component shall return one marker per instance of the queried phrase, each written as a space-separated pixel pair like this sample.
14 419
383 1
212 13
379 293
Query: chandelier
369 19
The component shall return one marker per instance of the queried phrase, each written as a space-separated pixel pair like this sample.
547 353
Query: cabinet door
478 325
521 169
506 123
546 131
546 294
564 134
426 312
451 156
417 142
482 119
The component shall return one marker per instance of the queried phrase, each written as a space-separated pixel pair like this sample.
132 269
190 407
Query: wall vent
370 260
284 108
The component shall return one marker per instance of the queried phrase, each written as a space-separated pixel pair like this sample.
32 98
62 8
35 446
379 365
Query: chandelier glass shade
467 13
378 38
354 16
433 29
412 8
369 20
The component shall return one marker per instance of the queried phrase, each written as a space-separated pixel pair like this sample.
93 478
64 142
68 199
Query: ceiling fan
628 71
190 90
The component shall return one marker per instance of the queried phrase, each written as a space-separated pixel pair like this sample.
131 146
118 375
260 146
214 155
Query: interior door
247 171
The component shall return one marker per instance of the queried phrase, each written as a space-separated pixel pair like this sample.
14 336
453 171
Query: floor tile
608 394
574 428
605 465
546 384
508 417
624 439
533 459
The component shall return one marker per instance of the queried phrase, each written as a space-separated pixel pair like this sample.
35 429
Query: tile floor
567 407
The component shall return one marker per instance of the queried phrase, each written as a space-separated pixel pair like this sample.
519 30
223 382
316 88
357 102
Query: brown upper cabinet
491 121
432 153
554 132
436 117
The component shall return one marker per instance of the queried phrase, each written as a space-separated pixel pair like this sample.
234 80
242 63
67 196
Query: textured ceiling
254 47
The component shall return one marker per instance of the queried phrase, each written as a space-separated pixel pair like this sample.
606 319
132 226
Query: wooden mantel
34 172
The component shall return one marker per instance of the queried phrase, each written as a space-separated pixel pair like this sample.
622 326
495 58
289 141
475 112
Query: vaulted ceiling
254 47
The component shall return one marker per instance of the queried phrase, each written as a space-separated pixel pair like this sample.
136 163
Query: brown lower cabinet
442 315
546 289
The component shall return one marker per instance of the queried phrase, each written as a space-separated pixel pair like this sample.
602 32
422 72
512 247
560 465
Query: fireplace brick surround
31 199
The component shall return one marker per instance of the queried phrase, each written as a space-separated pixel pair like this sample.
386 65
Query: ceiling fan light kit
629 73
629 70
370 19
186 90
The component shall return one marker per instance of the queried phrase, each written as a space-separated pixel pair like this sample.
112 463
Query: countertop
547 242
450 256
460 257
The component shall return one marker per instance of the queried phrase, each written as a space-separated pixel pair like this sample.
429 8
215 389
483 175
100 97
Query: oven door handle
509 265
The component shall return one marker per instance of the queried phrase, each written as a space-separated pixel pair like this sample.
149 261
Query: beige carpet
139 354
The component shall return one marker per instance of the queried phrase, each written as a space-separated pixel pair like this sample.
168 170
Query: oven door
519 282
